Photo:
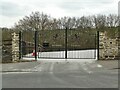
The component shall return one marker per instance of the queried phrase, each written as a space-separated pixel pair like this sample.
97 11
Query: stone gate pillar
108 47
15 47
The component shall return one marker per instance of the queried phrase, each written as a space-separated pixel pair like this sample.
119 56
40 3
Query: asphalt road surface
43 74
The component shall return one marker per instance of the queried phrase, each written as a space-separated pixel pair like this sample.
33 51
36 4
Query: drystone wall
15 47
108 47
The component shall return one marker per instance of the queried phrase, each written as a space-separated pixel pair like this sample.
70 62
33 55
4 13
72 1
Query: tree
112 20
41 21
99 21
35 21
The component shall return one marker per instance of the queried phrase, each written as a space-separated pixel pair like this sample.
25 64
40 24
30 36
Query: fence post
35 39
98 44
20 45
66 43
95 36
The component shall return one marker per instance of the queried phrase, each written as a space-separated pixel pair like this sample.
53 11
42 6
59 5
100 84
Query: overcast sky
13 10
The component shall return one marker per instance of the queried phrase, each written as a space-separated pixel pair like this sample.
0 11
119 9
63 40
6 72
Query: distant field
76 39
6 34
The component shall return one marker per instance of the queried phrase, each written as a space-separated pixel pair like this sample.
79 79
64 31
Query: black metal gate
72 44
59 44
27 44
51 43
81 44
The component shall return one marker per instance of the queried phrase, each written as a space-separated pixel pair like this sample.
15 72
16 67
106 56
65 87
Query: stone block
108 48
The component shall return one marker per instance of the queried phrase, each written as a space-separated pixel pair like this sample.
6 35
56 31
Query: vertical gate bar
95 47
35 39
66 43
20 45
38 44
98 45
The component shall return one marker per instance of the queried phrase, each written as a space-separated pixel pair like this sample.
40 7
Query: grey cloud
71 6
39 4
119 8
10 9
77 5
89 1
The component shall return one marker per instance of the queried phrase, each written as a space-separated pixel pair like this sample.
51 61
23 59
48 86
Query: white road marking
37 68
51 68
57 78
15 72
99 65
85 68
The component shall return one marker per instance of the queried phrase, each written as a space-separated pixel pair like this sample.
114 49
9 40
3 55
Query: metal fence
72 44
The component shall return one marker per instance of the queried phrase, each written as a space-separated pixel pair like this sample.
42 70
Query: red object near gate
33 54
